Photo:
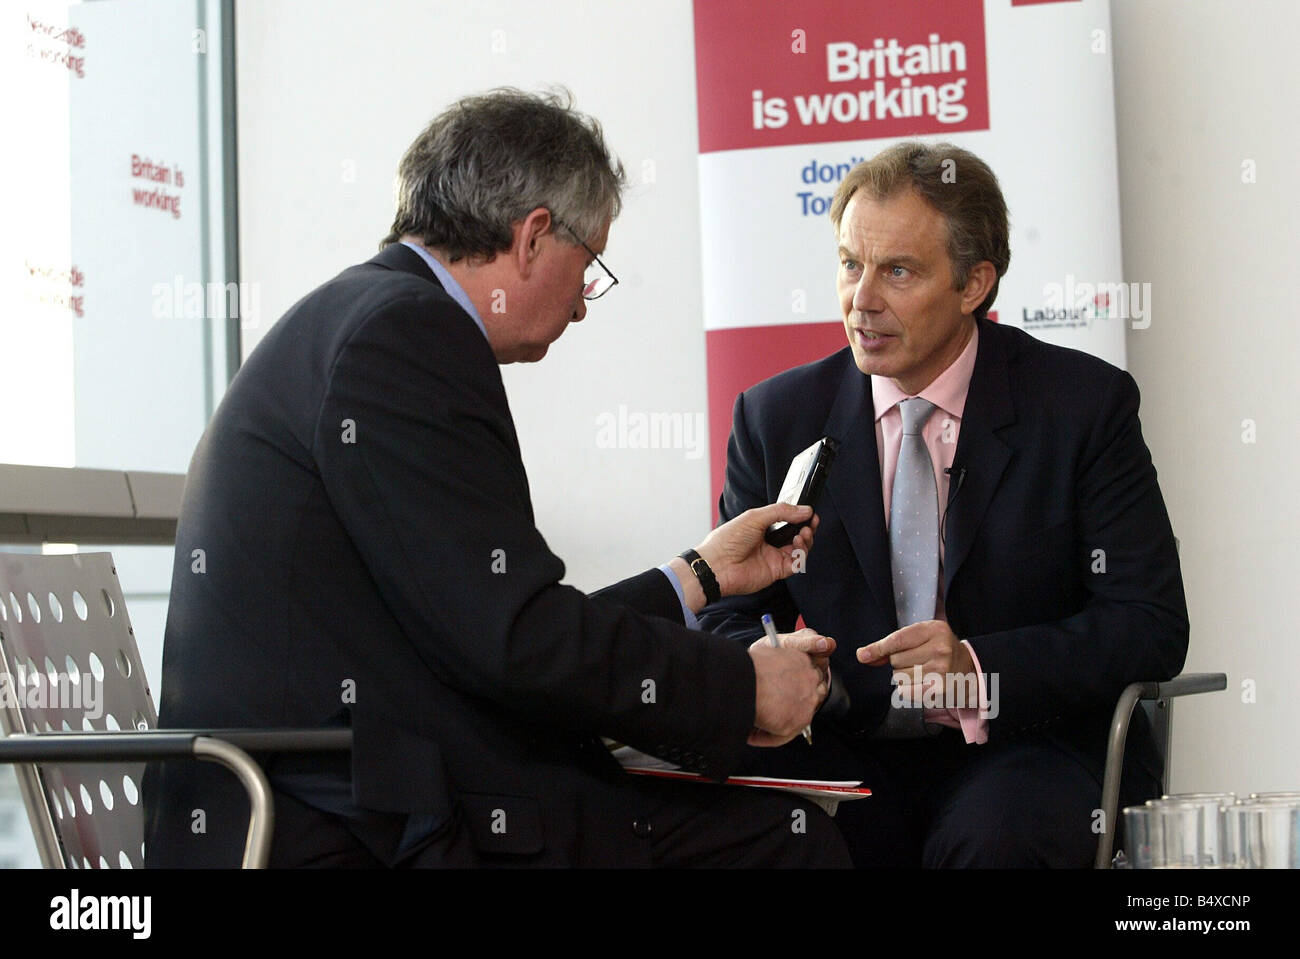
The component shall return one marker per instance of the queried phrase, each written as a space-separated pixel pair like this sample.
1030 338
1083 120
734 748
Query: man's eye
898 272
850 265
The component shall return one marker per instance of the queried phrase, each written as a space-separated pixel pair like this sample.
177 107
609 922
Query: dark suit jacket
369 557
1055 469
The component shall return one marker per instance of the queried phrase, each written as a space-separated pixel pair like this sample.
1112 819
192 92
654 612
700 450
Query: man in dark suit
357 546
994 557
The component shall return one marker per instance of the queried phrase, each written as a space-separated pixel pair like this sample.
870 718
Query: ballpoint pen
769 628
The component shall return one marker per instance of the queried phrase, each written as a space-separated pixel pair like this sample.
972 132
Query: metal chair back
70 663
1160 712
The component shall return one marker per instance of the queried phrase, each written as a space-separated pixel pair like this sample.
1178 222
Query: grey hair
489 160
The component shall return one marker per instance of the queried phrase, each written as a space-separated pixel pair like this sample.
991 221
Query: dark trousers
686 825
698 825
942 803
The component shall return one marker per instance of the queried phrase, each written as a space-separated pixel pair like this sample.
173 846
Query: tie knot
915 412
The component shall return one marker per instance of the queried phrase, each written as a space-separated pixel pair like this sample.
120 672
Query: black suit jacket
1055 481
356 545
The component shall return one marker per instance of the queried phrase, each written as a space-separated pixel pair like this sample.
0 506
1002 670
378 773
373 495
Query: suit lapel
980 451
854 482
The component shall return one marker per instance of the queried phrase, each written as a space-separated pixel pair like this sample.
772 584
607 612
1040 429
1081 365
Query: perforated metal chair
80 724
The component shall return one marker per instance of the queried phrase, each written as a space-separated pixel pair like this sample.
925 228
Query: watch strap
702 571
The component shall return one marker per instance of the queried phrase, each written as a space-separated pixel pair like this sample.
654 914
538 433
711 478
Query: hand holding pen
786 688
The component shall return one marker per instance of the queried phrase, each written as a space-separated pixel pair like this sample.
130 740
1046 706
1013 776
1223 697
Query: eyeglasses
593 287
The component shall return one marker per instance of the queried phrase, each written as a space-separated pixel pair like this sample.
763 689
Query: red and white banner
792 95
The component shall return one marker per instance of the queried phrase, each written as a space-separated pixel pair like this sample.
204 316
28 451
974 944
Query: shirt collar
454 289
948 391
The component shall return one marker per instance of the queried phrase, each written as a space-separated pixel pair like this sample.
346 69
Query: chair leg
1119 724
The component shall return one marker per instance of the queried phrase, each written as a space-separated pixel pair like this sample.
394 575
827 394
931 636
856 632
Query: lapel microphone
952 495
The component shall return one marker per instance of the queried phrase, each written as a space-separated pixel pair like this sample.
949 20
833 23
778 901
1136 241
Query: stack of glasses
1215 831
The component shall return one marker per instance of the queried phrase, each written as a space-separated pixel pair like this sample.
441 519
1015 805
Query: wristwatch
708 582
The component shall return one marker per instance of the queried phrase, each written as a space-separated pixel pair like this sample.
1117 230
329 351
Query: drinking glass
1264 833
1192 832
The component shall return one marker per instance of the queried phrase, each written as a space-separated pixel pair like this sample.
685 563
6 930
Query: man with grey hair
371 559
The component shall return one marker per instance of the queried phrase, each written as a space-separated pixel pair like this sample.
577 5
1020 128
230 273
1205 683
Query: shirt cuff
974 727
687 616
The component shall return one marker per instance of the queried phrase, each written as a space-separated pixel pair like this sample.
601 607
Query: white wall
1201 86
330 93
332 87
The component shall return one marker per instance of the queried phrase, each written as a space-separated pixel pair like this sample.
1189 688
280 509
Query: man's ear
527 235
978 283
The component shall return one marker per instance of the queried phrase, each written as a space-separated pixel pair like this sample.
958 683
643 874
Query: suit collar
857 472
988 400
982 453
396 256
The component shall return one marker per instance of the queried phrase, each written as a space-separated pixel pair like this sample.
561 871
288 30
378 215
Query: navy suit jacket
369 558
1060 565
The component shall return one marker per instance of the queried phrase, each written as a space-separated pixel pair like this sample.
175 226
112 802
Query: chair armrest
1186 685
335 740
229 748
143 746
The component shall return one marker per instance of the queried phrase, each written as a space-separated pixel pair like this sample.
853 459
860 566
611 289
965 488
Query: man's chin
873 365
529 354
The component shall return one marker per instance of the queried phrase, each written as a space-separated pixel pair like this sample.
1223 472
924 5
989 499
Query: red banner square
771 73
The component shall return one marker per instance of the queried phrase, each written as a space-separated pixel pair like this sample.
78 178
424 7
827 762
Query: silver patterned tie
913 544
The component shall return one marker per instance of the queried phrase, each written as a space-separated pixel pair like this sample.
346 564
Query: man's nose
866 297
580 311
